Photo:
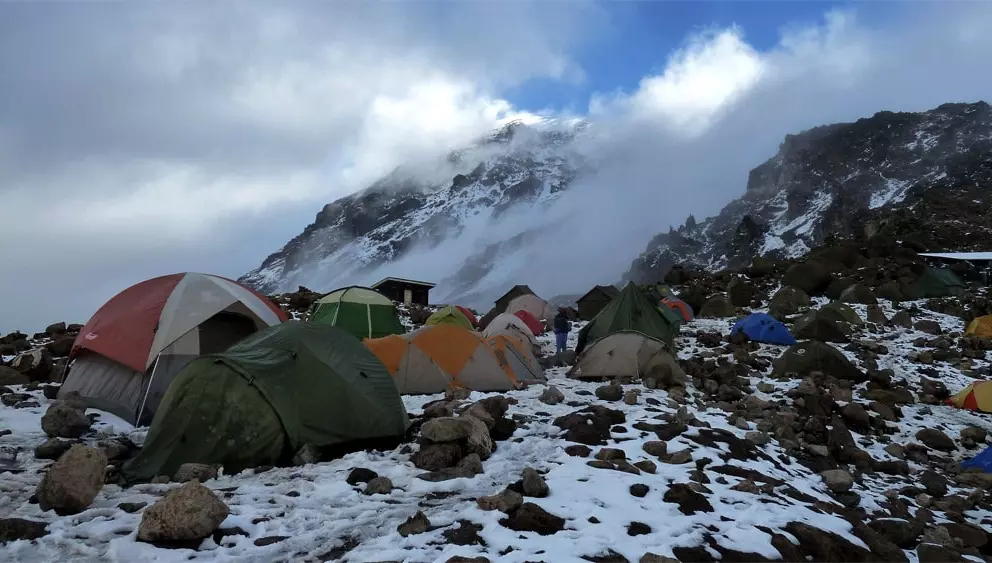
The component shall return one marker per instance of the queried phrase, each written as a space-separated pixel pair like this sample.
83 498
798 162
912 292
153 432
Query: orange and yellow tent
981 326
977 396
435 358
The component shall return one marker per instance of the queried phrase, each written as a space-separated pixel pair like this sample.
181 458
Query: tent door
407 296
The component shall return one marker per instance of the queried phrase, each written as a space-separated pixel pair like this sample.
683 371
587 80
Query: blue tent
761 327
983 461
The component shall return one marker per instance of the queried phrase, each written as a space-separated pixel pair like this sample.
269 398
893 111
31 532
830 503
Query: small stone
638 529
924 500
532 518
639 490
132 507
612 392
656 448
766 387
630 397
679 457
416 524
551 396
757 438
974 433
190 512
934 483
608 454
646 465
935 439
195 471
578 450
379 486
506 501
896 451
360 475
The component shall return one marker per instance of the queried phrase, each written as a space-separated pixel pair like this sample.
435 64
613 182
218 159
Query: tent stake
141 410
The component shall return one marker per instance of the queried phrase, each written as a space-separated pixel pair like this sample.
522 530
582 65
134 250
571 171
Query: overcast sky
138 139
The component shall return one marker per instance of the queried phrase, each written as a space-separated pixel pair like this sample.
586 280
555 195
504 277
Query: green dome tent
631 310
266 397
449 315
363 312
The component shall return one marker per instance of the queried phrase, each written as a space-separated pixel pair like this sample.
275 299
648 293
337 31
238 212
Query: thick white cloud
204 137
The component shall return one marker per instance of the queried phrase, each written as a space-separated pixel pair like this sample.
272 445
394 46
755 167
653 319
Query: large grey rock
62 420
935 439
468 429
717 306
190 512
73 481
788 301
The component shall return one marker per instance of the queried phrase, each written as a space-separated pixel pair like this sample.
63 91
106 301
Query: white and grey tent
127 355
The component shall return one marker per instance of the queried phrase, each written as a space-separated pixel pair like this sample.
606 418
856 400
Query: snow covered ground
310 512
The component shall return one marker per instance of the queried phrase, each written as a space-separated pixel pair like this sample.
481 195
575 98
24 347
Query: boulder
416 524
36 364
534 484
812 326
506 501
72 483
468 430
859 293
837 480
805 358
378 486
60 347
188 513
689 501
810 277
10 376
740 292
788 301
718 306
62 420
877 315
52 448
935 439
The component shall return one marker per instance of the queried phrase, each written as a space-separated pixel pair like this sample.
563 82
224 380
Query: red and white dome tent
134 345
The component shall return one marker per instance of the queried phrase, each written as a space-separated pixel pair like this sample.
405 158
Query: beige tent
532 304
511 325
627 354
434 358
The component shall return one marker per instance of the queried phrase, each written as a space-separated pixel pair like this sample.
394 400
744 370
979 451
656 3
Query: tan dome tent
433 358
512 325
130 351
627 354
530 303
515 354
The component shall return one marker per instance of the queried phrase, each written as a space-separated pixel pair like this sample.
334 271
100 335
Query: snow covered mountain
924 176
920 176
404 213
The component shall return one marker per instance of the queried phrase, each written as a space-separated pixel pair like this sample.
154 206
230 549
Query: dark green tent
361 311
631 310
938 282
266 397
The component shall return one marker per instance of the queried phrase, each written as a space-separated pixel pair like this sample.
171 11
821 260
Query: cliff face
924 176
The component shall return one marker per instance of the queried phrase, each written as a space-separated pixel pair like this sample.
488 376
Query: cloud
148 139
684 141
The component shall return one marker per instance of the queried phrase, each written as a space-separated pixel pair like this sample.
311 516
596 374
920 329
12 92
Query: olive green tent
363 312
258 403
449 315
938 282
631 310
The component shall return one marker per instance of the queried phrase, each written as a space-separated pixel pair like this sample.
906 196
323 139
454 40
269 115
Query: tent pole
368 314
141 410
65 368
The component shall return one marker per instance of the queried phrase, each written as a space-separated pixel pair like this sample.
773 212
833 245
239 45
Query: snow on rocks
745 461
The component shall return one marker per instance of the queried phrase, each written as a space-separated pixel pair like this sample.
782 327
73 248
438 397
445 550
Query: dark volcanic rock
532 518
689 501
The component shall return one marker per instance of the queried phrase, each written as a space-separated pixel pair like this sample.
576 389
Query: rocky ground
843 452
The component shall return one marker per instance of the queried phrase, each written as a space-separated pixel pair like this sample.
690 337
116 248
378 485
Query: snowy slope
310 513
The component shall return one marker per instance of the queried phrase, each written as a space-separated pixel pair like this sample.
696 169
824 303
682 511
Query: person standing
561 327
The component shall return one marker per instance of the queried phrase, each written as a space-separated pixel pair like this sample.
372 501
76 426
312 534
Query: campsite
742 416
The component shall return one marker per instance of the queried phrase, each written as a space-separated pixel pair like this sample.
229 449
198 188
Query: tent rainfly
360 311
